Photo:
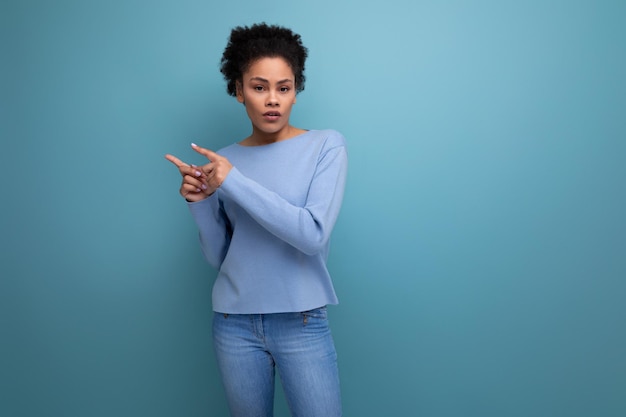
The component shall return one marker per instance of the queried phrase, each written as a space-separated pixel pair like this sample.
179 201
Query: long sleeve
214 229
307 228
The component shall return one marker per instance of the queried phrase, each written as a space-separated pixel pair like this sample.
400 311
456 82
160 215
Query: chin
272 129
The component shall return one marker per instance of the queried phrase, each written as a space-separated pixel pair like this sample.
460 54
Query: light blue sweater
267 228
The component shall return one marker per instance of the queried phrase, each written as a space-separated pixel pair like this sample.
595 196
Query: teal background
480 256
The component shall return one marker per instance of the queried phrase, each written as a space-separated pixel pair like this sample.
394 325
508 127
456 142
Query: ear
239 90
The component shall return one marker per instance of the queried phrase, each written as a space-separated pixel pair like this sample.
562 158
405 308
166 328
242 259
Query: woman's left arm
306 228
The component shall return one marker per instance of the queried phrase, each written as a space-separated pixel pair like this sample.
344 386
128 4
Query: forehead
270 68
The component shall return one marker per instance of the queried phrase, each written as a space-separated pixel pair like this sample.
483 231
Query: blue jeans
250 346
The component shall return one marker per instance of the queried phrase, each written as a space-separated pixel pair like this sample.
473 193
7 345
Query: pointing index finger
209 154
176 161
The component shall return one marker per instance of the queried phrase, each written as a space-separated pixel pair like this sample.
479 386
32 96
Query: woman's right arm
205 207
214 229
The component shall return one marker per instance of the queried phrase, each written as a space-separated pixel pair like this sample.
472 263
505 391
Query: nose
272 99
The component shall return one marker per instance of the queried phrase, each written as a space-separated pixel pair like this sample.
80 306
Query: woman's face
268 91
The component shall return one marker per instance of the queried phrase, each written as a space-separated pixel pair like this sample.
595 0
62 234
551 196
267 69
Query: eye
258 88
284 89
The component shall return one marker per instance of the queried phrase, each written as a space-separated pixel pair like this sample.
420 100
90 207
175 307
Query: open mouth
271 116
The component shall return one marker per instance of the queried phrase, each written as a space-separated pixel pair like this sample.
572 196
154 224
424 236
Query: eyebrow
286 80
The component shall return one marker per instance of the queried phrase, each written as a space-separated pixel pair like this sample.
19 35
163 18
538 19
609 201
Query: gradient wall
480 257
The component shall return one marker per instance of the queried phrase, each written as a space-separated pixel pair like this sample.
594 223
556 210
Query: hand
194 187
216 170
201 182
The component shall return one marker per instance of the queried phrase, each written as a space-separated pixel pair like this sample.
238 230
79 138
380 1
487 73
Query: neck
259 137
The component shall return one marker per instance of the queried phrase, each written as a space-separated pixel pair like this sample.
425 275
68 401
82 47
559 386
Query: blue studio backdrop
480 256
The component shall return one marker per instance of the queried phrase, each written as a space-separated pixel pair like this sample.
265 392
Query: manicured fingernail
194 145
198 173
204 186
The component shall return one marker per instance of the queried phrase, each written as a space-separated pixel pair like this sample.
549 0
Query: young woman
265 208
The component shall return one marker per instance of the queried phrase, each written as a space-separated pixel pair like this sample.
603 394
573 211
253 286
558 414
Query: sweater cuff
231 179
200 208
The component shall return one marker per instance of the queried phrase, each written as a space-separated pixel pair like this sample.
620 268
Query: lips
271 115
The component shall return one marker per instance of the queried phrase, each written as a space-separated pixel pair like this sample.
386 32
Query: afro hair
248 44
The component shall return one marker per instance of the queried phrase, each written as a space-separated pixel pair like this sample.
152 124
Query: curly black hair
248 44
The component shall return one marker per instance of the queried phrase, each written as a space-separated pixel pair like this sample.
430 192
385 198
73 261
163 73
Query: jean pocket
319 313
